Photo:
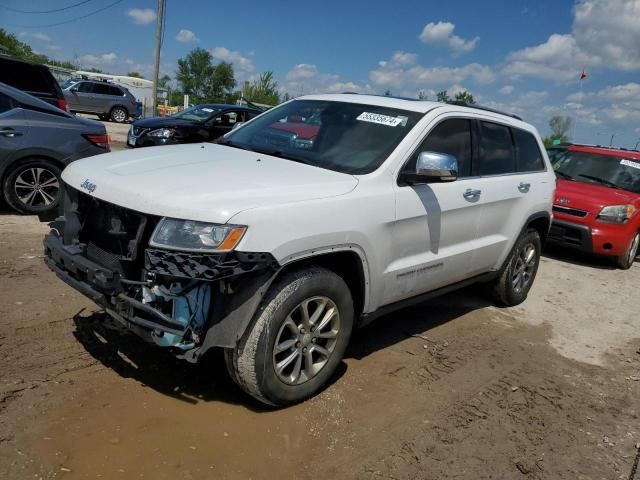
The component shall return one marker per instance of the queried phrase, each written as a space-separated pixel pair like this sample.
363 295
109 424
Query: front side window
453 137
496 152
85 87
345 137
6 103
529 156
598 169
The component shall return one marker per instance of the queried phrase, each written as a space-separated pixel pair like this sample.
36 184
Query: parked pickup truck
274 247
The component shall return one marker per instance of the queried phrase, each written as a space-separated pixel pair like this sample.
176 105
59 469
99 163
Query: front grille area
570 211
571 236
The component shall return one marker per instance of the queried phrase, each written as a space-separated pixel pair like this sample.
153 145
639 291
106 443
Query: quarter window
496 150
529 156
452 137
6 103
101 89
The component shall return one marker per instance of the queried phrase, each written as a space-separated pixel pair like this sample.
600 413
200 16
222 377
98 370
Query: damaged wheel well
346 264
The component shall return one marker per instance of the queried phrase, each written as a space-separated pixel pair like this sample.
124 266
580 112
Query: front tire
33 186
119 114
516 278
298 339
626 261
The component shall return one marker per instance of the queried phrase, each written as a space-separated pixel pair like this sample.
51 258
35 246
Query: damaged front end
185 300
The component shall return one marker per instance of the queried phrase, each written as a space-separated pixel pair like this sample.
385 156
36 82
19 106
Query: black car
32 78
200 123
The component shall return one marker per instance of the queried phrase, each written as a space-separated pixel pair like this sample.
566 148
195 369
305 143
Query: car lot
545 390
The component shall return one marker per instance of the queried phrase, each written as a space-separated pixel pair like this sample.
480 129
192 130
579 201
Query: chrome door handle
471 194
9 132
524 187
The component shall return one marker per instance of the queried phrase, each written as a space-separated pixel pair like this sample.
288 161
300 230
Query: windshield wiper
229 143
600 180
281 154
564 175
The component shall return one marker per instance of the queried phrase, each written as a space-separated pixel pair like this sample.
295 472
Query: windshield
68 83
199 113
345 137
615 172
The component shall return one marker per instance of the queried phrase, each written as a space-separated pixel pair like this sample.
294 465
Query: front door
433 238
13 128
82 99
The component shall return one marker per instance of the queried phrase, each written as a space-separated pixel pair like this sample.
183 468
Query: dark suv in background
32 78
104 99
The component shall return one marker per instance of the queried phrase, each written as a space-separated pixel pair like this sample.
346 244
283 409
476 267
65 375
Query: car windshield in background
68 83
199 113
345 137
598 169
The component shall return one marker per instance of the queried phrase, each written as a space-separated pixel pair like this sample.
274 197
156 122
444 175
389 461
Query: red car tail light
62 104
100 140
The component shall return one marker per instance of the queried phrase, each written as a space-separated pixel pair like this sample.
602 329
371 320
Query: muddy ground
452 389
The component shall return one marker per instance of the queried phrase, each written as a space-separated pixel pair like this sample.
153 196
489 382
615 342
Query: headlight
162 133
616 213
189 235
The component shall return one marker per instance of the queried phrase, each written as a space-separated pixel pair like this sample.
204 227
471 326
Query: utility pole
156 67
611 141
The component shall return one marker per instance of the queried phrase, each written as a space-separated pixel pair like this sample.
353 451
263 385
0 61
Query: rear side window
101 89
496 151
452 137
26 77
115 91
529 156
251 115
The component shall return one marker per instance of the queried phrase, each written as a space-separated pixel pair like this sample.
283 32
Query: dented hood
204 182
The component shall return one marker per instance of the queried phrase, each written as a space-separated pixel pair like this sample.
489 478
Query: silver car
107 100
37 141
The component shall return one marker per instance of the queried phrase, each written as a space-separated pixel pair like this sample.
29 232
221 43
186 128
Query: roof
224 106
607 151
411 105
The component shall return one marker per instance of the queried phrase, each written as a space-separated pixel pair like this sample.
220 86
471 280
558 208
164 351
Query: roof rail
480 107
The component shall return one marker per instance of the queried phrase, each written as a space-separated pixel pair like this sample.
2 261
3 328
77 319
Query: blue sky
521 56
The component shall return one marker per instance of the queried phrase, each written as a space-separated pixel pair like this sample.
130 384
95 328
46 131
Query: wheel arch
541 222
29 154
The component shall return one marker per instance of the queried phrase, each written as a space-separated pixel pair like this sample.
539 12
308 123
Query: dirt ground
453 389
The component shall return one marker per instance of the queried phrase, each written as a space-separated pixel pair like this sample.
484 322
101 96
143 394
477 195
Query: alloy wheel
524 267
119 115
306 340
37 187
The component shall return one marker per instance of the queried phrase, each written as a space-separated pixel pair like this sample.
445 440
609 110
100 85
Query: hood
590 197
164 122
203 181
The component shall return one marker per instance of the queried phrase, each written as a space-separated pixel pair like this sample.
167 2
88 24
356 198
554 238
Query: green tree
163 81
443 97
134 74
422 95
263 90
465 97
202 80
94 70
560 127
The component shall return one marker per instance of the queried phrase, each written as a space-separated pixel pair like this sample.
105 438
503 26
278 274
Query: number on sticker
629 163
379 119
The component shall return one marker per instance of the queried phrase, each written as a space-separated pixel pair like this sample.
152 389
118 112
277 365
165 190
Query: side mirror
433 167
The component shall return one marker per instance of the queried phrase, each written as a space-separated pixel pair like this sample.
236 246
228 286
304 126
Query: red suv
597 202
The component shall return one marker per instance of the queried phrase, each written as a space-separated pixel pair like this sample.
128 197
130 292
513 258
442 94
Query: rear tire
288 355
33 186
516 278
626 261
119 114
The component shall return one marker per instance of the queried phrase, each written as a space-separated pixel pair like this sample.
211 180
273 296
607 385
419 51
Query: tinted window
452 137
26 77
85 87
115 91
529 156
251 115
496 150
102 89
6 103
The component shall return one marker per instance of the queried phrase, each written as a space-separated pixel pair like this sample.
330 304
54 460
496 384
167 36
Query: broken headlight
162 133
189 235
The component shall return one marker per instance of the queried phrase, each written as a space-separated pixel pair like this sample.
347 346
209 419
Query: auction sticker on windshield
629 163
379 119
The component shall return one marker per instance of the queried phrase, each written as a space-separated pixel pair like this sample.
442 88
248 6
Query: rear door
512 174
433 238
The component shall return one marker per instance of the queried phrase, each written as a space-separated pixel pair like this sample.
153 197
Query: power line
72 20
46 11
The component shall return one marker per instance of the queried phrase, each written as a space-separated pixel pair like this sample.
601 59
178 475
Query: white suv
317 216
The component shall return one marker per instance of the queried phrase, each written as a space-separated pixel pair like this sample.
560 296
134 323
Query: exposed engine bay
168 297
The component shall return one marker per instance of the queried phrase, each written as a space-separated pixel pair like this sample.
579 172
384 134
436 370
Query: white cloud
186 36
305 78
142 16
620 103
507 90
441 34
605 34
41 36
128 61
54 48
402 72
239 61
98 60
